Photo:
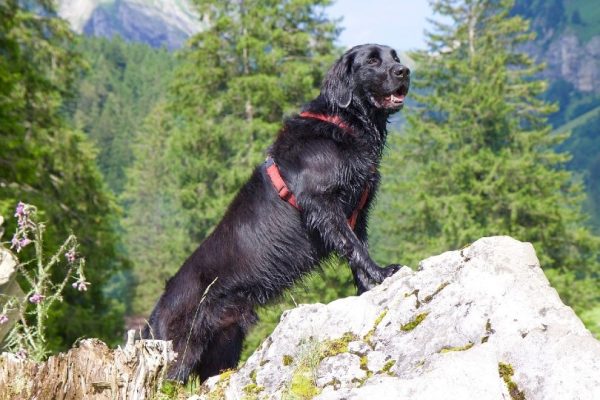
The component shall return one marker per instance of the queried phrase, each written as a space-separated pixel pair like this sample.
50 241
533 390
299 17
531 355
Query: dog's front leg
361 281
325 215
317 186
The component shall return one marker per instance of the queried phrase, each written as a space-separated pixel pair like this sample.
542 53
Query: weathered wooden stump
89 371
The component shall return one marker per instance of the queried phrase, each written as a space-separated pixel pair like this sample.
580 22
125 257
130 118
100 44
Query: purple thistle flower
20 210
36 298
3 319
22 214
71 256
80 285
15 243
18 244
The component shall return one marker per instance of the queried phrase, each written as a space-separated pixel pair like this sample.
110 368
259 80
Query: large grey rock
444 332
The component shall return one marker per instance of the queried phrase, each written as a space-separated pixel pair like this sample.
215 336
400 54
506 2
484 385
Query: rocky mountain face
567 40
155 22
478 323
569 58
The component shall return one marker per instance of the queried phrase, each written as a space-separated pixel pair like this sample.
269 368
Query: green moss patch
303 381
414 323
217 393
252 390
302 384
225 375
363 363
488 332
333 347
506 372
170 390
369 335
448 349
387 367
287 360
430 297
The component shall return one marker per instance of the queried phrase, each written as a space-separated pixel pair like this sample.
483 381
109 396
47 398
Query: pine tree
154 233
118 89
46 163
477 158
255 62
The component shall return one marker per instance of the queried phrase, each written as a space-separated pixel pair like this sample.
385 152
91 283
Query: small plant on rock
27 338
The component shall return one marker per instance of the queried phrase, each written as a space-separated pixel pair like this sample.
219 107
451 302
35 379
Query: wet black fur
263 244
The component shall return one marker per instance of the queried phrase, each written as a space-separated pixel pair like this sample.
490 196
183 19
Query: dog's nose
400 71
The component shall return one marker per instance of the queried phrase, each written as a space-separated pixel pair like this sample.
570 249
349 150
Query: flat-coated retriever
309 199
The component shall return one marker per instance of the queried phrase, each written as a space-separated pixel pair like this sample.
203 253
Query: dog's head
368 73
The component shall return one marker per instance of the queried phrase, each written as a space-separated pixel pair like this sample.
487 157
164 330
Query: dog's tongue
395 98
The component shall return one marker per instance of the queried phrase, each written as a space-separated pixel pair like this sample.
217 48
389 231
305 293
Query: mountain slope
155 22
568 40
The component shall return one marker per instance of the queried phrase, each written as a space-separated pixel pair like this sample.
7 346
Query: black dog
310 199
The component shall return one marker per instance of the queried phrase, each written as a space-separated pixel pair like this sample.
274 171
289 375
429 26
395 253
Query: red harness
333 119
284 191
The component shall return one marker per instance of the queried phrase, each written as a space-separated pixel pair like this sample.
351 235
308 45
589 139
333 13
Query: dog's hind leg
222 352
225 346
186 363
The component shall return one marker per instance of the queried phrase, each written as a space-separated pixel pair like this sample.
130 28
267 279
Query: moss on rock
506 372
333 347
369 335
448 349
287 360
414 323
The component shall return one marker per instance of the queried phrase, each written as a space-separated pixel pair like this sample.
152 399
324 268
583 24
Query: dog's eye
372 61
396 59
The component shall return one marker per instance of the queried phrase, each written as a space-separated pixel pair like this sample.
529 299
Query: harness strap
277 180
361 204
286 194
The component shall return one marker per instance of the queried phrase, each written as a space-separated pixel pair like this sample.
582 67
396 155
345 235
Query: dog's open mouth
396 99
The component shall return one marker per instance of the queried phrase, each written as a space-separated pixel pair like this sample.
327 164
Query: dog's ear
338 86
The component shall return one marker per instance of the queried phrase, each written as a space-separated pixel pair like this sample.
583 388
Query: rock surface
8 287
158 23
478 323
568 58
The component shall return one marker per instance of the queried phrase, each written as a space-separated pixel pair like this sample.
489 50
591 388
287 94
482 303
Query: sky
396 23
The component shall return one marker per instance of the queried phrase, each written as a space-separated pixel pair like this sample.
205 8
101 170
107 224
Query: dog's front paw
391 269
380 274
